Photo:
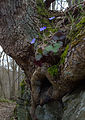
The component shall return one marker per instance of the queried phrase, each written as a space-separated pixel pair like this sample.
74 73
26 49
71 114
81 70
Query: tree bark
19 25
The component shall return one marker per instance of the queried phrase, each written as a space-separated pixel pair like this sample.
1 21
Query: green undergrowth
6 100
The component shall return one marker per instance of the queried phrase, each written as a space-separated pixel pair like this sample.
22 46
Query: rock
74 106
51 111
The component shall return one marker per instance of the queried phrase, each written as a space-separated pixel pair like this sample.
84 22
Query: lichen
64 54
53 70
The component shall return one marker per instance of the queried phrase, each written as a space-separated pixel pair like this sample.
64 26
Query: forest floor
7 110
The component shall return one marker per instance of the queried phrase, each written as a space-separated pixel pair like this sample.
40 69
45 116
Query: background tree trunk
53 5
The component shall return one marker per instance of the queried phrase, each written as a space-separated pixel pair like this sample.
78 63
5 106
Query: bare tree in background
10 77
53 5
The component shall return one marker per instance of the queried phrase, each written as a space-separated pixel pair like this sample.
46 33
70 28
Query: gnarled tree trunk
19 24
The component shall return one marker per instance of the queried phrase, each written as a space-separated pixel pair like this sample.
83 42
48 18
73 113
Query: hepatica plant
42 53
51 18
33 41
42 28
54 48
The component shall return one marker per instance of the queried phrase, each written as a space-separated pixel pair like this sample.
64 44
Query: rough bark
18 27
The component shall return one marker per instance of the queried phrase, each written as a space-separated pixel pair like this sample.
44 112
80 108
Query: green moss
64 54
77 29
79 37
79 33
53 70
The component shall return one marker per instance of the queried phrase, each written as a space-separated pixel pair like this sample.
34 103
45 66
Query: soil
6 110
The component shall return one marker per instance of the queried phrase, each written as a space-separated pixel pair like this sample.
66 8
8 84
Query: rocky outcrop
72 108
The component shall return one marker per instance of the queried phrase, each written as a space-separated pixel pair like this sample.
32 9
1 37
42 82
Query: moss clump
77 28
53 70
64 54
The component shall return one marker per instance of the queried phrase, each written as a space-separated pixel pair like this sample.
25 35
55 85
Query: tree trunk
19 25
